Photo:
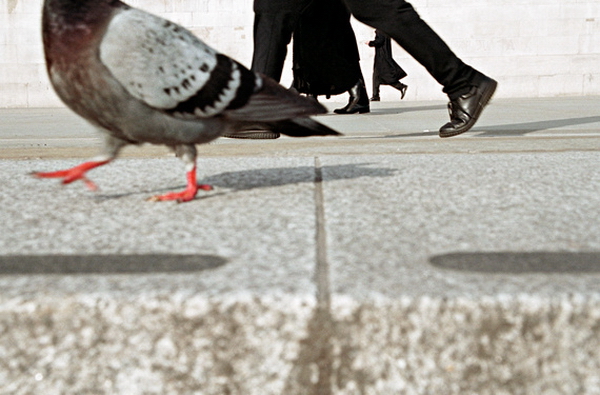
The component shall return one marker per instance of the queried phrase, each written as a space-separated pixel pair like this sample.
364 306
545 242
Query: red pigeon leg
187 194
75 173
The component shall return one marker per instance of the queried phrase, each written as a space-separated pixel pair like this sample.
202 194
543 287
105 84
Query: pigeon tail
303 127
272 102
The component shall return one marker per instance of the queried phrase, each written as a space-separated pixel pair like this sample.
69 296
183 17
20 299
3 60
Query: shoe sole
363 111
484 102
254 135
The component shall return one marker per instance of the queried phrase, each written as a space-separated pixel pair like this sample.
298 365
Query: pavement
386 261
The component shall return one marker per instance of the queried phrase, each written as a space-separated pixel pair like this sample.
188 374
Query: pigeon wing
167 67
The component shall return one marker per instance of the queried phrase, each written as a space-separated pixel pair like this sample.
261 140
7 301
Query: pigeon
139 78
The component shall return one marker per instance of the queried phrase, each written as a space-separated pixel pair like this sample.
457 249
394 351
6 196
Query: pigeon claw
180 197
74 174
186 195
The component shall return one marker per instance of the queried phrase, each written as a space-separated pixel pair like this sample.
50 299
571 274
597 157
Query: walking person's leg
401 87
272 34
376 86
468 89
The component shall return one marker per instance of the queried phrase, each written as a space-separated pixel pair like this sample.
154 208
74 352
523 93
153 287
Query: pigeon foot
74 174
186 195
180 197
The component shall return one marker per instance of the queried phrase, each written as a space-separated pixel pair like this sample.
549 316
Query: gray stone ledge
151 342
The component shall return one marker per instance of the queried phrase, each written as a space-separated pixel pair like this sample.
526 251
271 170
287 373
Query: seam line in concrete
321 326
322 265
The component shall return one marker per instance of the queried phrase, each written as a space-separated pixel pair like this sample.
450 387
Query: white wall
533 47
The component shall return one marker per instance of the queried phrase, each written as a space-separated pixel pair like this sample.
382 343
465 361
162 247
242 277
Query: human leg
272 34
468 89
376 85
401 87
401 22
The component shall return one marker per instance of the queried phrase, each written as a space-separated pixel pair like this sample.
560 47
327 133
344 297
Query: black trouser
376 83
272 33
401 22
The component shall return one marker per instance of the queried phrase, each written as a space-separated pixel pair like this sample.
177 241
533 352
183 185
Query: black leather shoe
353 109
359 101
375 98
402 88
466 109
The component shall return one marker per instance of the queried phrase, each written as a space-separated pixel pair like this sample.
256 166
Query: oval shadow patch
107 264
519 262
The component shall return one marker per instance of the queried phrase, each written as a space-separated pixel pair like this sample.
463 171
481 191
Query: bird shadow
243 180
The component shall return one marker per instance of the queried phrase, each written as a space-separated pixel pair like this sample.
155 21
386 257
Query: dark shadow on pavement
507 130
519 129
519 262
402 110
107 264
266 178
389 110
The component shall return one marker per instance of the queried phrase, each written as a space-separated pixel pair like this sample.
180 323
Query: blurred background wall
534 48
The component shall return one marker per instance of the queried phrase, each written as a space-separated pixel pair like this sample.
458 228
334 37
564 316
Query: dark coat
278 6
387 70
326 59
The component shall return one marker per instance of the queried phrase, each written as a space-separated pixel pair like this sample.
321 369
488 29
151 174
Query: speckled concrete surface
177 329
426 210
409 264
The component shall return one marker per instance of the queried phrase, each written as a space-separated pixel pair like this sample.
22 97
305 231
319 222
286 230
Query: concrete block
158 343
589 43
471 267
156 7
475 207
82 313
434 288
182 18
20 73
513 345
559 84
21 7
8 54
24 20
14 94
591 82
25 36
3 33
518 86
30 54
41 94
